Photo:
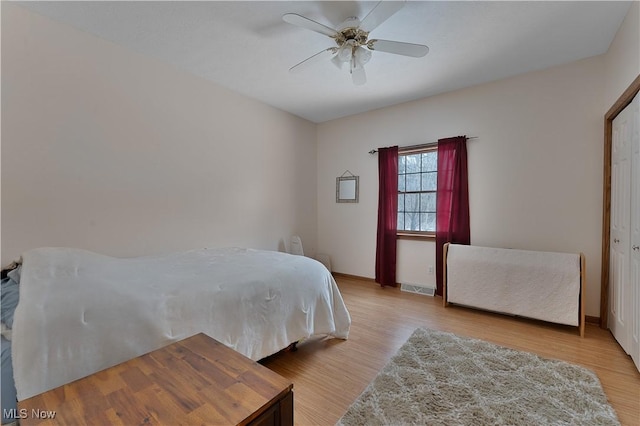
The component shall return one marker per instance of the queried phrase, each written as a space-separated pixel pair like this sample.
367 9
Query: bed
81 312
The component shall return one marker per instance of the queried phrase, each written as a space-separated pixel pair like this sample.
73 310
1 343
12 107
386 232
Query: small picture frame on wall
347 188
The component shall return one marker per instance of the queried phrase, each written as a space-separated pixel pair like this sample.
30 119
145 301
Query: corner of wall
622 59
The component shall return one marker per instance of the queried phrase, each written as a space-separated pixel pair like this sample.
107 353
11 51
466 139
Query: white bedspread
533 284
81 312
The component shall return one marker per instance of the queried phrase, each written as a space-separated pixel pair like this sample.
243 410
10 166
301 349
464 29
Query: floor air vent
412 288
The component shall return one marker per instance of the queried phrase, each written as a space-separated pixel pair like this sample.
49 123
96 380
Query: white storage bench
541 285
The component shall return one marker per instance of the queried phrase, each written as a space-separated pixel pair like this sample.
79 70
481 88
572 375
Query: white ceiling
246 47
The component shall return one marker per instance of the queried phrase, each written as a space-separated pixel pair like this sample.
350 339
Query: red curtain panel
452 199
387 216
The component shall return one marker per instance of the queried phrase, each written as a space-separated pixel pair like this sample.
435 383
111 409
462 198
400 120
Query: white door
634 277
619 283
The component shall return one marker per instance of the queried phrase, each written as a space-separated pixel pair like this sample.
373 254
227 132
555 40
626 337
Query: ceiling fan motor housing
349 30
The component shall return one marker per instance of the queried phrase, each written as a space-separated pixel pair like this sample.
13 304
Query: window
417 185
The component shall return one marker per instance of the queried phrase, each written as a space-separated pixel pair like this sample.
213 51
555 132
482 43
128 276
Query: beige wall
622 60
535 171
111 151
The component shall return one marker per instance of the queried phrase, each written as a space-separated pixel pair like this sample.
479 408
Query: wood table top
197 380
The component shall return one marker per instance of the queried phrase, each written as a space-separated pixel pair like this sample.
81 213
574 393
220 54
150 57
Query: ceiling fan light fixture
362 55
337 61
346 51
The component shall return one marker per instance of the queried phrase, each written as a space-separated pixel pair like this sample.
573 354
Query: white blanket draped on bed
81 312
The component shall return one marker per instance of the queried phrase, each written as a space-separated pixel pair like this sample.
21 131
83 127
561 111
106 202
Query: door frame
623 101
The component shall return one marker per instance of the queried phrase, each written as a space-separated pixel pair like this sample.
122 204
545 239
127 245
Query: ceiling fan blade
318 57
398 48
358 76
301 21
380 13
356 69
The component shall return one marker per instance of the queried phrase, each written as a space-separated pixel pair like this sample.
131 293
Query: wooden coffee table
194 381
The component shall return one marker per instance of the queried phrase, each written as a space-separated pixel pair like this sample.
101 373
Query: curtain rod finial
373 151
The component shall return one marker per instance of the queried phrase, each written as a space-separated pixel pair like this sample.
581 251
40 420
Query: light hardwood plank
328 374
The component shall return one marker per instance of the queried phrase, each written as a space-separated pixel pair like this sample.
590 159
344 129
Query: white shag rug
438 378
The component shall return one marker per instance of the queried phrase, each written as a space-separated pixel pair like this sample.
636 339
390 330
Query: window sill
407 235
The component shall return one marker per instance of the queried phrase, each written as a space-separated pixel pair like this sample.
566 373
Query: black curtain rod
424 145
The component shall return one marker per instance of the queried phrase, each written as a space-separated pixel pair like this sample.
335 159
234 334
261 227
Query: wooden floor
328 374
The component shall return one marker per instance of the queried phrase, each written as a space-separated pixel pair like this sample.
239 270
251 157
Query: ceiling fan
352 36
